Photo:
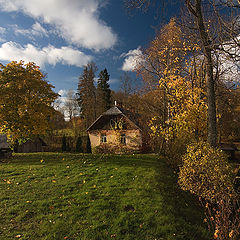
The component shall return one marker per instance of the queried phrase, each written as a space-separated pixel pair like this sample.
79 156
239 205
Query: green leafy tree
103 92
87 94
25 101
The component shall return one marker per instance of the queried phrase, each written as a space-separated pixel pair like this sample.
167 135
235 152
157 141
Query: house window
103 138
123 139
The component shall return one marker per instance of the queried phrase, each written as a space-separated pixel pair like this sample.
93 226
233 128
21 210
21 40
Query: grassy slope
73 196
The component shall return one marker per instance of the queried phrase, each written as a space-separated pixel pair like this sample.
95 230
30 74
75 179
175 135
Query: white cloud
48 55
36 30
62 92
229 60
2 30
133 57
77 21
113 80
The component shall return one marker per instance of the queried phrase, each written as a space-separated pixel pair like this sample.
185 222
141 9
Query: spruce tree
103 92
79 145
89 149
64 143
87 94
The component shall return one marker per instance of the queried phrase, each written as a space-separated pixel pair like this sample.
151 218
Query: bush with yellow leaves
206 172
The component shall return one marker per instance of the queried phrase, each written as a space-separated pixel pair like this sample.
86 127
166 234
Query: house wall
133 138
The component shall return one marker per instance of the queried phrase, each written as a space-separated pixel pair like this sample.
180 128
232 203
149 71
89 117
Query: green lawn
78 196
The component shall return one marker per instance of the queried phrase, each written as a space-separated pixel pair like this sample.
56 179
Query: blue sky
61 36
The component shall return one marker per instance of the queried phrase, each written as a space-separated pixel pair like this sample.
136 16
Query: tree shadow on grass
184 215
182 206
143 161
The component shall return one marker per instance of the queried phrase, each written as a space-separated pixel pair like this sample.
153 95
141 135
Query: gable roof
113 111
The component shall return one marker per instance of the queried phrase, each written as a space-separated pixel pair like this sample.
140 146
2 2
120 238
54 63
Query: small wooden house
34 145
115 131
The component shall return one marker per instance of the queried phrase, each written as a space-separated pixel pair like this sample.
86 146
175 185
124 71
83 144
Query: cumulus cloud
132 58
48 55
77 21
36 30
62 92
229 68
2 30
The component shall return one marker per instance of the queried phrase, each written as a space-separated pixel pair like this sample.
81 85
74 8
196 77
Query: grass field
88 197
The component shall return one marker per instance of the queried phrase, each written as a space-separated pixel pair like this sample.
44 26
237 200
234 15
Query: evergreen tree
103 92
89 149
87 94
64 143
79 145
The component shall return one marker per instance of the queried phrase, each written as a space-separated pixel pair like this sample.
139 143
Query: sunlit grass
75 196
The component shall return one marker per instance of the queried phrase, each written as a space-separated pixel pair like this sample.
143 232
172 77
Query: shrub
113 149
103 148
175 150
206 173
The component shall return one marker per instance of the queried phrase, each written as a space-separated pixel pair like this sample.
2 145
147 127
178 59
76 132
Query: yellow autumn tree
25 100
172 64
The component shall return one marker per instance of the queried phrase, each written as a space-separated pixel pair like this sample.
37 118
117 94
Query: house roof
113 111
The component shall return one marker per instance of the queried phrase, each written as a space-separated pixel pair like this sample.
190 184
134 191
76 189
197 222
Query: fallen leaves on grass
7 181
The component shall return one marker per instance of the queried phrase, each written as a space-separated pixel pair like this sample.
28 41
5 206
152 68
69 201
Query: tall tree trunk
212 123
196 10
